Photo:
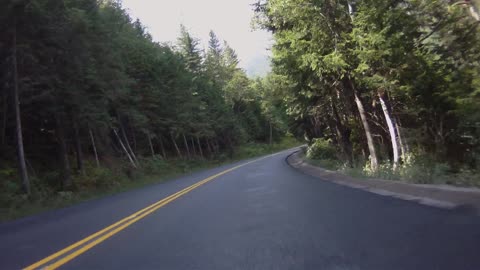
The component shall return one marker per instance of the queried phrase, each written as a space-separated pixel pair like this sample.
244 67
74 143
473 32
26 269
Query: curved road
263 215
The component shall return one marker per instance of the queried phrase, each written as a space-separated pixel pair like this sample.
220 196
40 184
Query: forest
391 87
88 98
380 88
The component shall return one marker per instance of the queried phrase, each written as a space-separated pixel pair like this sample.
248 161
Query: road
263 215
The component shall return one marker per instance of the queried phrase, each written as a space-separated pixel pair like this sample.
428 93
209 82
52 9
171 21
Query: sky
229 19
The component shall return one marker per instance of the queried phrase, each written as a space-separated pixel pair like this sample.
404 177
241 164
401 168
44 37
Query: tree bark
150 144
134 142
474 12
125 149
194 150
230 149
4 118
176 146
63 153
199 147
271 133
404 142
366 127
216 145
351 8
391 129
403 151
32 170
186 146
22 166
164 155
439 135
209 148
78 147
343 135
125 138
94 148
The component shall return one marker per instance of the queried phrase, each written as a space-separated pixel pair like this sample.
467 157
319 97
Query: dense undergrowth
417 167
116 177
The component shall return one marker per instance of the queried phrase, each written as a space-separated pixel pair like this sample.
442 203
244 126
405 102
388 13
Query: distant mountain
258 66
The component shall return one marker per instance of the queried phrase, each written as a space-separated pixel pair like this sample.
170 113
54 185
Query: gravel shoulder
441 196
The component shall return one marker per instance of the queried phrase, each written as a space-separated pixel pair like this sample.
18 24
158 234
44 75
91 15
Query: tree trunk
134 137
403 151
209 148
404 142
216 145
230 149
176 146
150 144
125 149
271 133
343 135
316 132
22 166
474 11
94 147
366 126
32 170
199 147
78 147
194 150
63 153
4 118
351 8
164 155
335 132
391 129
318 128
125 138
186 146
439 135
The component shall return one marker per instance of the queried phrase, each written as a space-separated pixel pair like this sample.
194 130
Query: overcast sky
229 19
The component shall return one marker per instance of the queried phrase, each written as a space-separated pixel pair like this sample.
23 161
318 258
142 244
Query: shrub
154 165
98 178
322 149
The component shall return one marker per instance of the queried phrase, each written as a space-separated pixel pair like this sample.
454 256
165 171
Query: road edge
462 199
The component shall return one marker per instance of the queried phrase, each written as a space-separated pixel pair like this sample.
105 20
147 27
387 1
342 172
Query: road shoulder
440 196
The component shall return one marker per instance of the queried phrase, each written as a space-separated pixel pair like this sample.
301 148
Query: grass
100 182
329 164
416 170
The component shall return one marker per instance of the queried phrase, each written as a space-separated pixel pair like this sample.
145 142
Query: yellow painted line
113 229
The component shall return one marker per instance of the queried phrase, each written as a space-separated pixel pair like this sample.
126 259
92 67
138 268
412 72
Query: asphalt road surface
263 215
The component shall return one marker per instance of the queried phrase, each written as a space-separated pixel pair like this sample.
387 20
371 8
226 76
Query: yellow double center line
63 256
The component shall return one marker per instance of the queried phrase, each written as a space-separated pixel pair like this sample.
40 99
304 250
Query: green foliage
155 165
98 178
99 181
322 149
411 63
258 149
91 79
418 170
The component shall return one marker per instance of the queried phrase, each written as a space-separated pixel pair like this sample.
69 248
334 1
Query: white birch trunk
125 149
391 130
368 133
94 147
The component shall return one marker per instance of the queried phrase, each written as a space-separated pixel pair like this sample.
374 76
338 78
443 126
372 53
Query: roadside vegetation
419 169
119 177
381 88
91 104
